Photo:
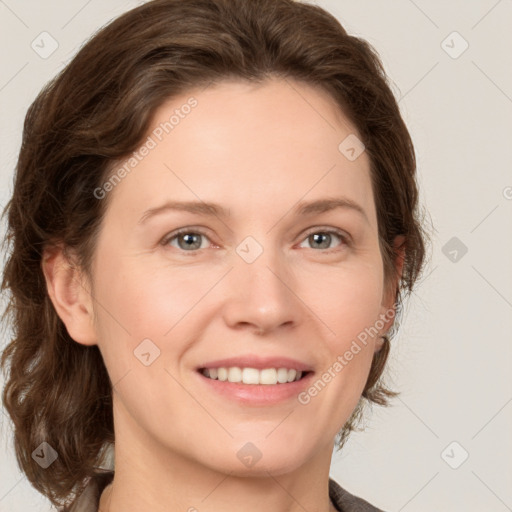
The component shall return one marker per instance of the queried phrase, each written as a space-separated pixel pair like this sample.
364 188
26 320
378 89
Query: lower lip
257 394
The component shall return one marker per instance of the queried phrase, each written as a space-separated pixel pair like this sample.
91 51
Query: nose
259 296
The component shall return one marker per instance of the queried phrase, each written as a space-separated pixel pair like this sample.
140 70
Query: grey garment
346 502
89 500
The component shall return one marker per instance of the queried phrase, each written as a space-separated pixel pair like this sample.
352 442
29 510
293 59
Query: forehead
247 145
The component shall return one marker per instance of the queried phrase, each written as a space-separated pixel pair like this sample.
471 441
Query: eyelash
345 239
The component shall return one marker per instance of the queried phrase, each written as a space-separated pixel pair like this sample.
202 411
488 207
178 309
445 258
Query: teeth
266 376
234 375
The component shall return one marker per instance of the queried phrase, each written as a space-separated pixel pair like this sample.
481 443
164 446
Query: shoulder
89 500
346 502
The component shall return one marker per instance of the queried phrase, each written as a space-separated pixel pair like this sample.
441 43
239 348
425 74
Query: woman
214 219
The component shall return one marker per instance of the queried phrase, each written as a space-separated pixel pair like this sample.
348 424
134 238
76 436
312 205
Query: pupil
190 242
327 237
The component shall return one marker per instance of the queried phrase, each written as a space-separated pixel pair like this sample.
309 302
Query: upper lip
251 361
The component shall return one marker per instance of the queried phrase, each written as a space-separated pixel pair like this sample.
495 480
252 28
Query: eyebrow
303 208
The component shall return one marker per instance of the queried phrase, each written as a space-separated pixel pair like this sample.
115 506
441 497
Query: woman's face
270 275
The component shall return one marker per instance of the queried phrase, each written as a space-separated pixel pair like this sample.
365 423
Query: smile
265 376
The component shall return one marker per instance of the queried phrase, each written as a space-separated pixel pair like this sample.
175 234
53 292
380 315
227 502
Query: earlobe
379 343
70 298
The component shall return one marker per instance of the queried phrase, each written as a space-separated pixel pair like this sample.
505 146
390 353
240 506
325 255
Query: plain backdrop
446 443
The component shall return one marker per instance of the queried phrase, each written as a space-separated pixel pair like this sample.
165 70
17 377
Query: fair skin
256 151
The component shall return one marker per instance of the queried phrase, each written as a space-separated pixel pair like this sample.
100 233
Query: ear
69 293
388 307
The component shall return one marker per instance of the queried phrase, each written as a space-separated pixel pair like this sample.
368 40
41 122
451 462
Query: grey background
452 357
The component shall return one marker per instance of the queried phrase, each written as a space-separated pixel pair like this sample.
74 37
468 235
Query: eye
323 239
187 240
190 240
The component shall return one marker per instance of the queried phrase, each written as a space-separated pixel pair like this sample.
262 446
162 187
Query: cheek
138 302
351 310
349 302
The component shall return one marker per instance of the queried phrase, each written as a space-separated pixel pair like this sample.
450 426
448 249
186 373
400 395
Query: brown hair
95 112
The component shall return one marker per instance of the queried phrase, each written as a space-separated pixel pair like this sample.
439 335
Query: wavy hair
95 112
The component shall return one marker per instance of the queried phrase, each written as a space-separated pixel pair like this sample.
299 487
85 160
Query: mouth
253 380
253 387
254 376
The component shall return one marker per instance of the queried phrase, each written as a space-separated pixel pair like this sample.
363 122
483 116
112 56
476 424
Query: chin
274 466
259 458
